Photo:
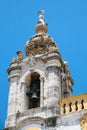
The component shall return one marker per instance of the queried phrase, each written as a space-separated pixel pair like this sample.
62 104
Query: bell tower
37 82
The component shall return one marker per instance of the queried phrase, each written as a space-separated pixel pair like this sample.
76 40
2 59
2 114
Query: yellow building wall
83 122
66 102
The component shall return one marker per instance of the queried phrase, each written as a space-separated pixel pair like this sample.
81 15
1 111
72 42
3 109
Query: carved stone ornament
32 61
19 58
40 27
40 44
83 122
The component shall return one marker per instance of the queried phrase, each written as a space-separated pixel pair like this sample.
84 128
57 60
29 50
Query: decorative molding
13 68
73 98
40 44
38 120
13 75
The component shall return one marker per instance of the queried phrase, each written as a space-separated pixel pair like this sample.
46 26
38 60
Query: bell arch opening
34 91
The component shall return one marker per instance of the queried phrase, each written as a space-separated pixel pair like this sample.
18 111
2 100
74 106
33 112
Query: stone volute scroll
19 58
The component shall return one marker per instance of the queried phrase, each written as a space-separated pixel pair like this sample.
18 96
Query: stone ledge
13 68
13 75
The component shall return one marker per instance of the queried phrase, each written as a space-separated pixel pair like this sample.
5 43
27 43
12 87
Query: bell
34 97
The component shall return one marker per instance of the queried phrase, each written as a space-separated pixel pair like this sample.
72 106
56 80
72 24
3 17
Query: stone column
41 91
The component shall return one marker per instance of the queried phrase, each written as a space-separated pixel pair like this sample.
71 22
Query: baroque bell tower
37 83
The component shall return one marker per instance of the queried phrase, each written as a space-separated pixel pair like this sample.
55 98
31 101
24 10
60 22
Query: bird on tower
41 12
41 17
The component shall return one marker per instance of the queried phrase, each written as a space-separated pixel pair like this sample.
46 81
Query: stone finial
41 17
41 25
19 58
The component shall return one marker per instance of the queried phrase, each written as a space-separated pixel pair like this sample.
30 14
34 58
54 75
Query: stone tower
37 83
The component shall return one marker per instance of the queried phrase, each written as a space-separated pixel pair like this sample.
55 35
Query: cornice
13 68
73 98
13 75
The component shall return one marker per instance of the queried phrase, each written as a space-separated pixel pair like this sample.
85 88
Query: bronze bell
34 97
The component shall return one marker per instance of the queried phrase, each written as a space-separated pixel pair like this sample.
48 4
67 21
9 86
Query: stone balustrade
73 104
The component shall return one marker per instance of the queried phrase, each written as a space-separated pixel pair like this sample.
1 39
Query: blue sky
67 21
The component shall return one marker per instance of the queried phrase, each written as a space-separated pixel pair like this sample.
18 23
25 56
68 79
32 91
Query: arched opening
34 91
